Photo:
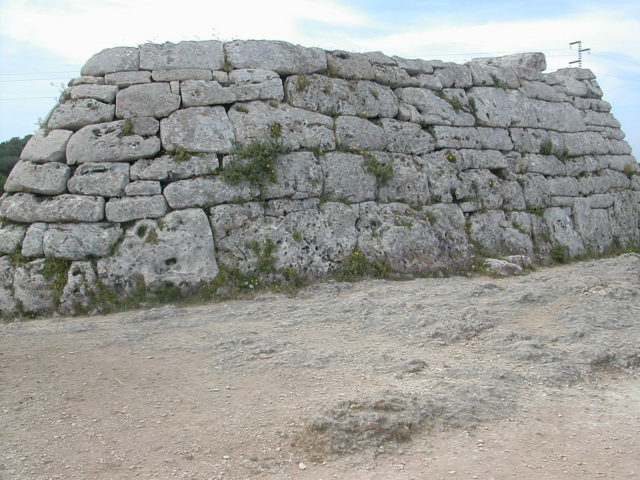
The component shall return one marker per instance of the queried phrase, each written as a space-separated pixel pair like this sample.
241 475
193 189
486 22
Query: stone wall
179 165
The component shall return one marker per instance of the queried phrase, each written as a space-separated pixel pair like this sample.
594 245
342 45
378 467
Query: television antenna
580 51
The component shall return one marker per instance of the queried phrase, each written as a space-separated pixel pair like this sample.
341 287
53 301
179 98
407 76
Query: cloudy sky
43 43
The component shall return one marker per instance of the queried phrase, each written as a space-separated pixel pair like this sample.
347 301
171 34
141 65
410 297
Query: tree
9 156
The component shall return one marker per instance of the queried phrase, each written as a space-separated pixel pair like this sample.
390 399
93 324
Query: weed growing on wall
254 163
546 148
382 171
56 269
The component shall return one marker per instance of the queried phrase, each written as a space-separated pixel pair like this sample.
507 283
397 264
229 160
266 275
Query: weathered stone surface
409 183
472 137
359 133
32 243
333 96
406 137
481 186
45 147
76 114
207 55
346 178
32 290
299 128
562 231
11 237
394 76
487 76
502 268
125 79
146 100
454 75
143 187
593 225
112 60
512 196
565 186
198 129
86 80
8 304
414 66
489 159
536 190
29 208
200 192
425 107
281 57
177 249
45 179
298 176
544 164
495 233
256 85
165 168
79 241
181 75
134 208
102 179
107 142
351 66
534 61
81 284
201 92
144 126
103 93
442 173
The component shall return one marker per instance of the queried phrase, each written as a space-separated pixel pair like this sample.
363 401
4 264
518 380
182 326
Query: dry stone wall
420 166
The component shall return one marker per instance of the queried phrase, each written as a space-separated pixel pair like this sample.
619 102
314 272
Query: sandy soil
457 378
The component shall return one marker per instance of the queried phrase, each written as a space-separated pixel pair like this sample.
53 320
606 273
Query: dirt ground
457 378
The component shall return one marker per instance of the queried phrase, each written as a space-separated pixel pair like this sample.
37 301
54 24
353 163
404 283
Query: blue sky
43 43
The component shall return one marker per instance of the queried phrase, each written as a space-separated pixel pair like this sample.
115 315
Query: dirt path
457 378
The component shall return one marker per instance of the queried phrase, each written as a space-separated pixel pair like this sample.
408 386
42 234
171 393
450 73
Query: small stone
302 466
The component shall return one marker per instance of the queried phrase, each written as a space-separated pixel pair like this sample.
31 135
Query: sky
44 43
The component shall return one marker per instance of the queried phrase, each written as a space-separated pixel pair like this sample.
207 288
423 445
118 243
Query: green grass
382 171
254 163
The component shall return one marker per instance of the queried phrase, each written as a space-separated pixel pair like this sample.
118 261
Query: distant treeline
9 156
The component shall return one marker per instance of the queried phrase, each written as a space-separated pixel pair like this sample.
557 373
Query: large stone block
75 114
11 237
146 100
406 137
78 241
34 291
200 192
125 79
103 93
177 249
32 243
181 75
29 208
112 60
208 55
46 146
351 66
425 107
298 128
281 57
77 294
134 208
409 183
359 133
108 142
346 178
298 175
198 129
45 179
8 304
494 232
166 168
102 179
256 85
562 231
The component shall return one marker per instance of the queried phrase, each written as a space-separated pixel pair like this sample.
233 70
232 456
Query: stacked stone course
123 180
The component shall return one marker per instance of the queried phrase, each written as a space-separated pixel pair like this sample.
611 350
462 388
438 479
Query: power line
39 73
27 98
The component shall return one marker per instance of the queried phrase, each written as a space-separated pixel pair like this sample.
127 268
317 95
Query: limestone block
79 241
207 55
103 93
429 81
181 75
143 187
409 183
560 201
333 96
530 140
414 66
535 226
543 164
45 147
284 206
593 225
144 126
11 237
585 143
625 217
601 200
102 179
454 75
45 179
594 184
565 186
618 147
251 84
487 76
346 177
379 58
351 66
442 173
298 176
480 185
77 293
495 233
146 100
107 142
29 208
205 191
34 292
112 60
601 119
512 196
198 129
8 304
471 137
541 91
536 190
502 268
493 139
202 92
177 249
489 159
431 109
359 133
562 231
32 243
281 57
125 79
166 168
533 60
413 241
299 128
134 208
406 137
86 80
394 76
618 180
76 114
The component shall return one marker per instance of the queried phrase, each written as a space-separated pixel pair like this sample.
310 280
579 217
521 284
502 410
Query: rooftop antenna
580 50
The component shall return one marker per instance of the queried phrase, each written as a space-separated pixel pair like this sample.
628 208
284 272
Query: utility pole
580 50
